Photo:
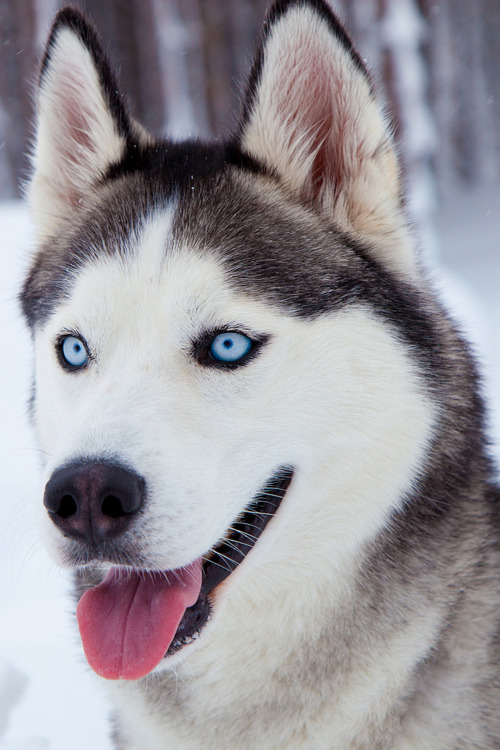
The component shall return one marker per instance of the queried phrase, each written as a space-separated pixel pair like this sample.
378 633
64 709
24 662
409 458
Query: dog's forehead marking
151 243
161 282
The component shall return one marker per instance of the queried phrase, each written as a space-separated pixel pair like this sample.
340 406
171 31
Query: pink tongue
129 621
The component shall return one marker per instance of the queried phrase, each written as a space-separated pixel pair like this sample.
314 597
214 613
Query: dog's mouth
133 619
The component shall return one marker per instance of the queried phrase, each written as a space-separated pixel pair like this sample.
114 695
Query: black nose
93 501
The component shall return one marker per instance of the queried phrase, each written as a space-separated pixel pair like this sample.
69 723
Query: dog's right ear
82 124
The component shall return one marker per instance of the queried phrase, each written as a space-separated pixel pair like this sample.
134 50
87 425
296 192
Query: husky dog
266 458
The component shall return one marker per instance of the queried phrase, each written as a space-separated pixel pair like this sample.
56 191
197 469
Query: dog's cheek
51 402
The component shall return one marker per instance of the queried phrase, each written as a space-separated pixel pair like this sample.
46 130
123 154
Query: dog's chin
217 565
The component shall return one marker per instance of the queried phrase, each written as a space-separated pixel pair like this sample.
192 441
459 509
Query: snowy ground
48 698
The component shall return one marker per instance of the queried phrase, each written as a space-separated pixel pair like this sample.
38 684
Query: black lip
228 554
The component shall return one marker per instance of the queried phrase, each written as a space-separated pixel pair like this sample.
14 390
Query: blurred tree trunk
229 32
130 35
17 53
463 56
491 61
406 81
390 36
183 64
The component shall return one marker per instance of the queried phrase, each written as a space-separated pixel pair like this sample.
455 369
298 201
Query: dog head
220 329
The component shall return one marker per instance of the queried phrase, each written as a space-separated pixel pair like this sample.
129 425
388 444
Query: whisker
234 546
225 557
252 538
250 525
217 564
261 513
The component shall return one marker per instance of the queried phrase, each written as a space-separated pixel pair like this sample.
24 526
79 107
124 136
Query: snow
469 224
47 694
49 700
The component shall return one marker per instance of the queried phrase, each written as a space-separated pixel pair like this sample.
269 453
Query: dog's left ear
82 124
311 117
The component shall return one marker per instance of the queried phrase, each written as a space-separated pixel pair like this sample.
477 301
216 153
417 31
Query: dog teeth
187 640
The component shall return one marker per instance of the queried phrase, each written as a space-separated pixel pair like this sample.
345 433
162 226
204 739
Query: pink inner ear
78 129
312 96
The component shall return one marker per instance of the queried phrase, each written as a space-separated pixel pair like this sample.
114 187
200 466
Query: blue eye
74 352
230 347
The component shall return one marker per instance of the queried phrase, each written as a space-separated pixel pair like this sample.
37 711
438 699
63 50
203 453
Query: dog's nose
93 501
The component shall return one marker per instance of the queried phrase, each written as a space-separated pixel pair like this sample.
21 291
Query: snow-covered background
48 698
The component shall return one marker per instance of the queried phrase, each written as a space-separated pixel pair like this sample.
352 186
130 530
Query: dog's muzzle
135 615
